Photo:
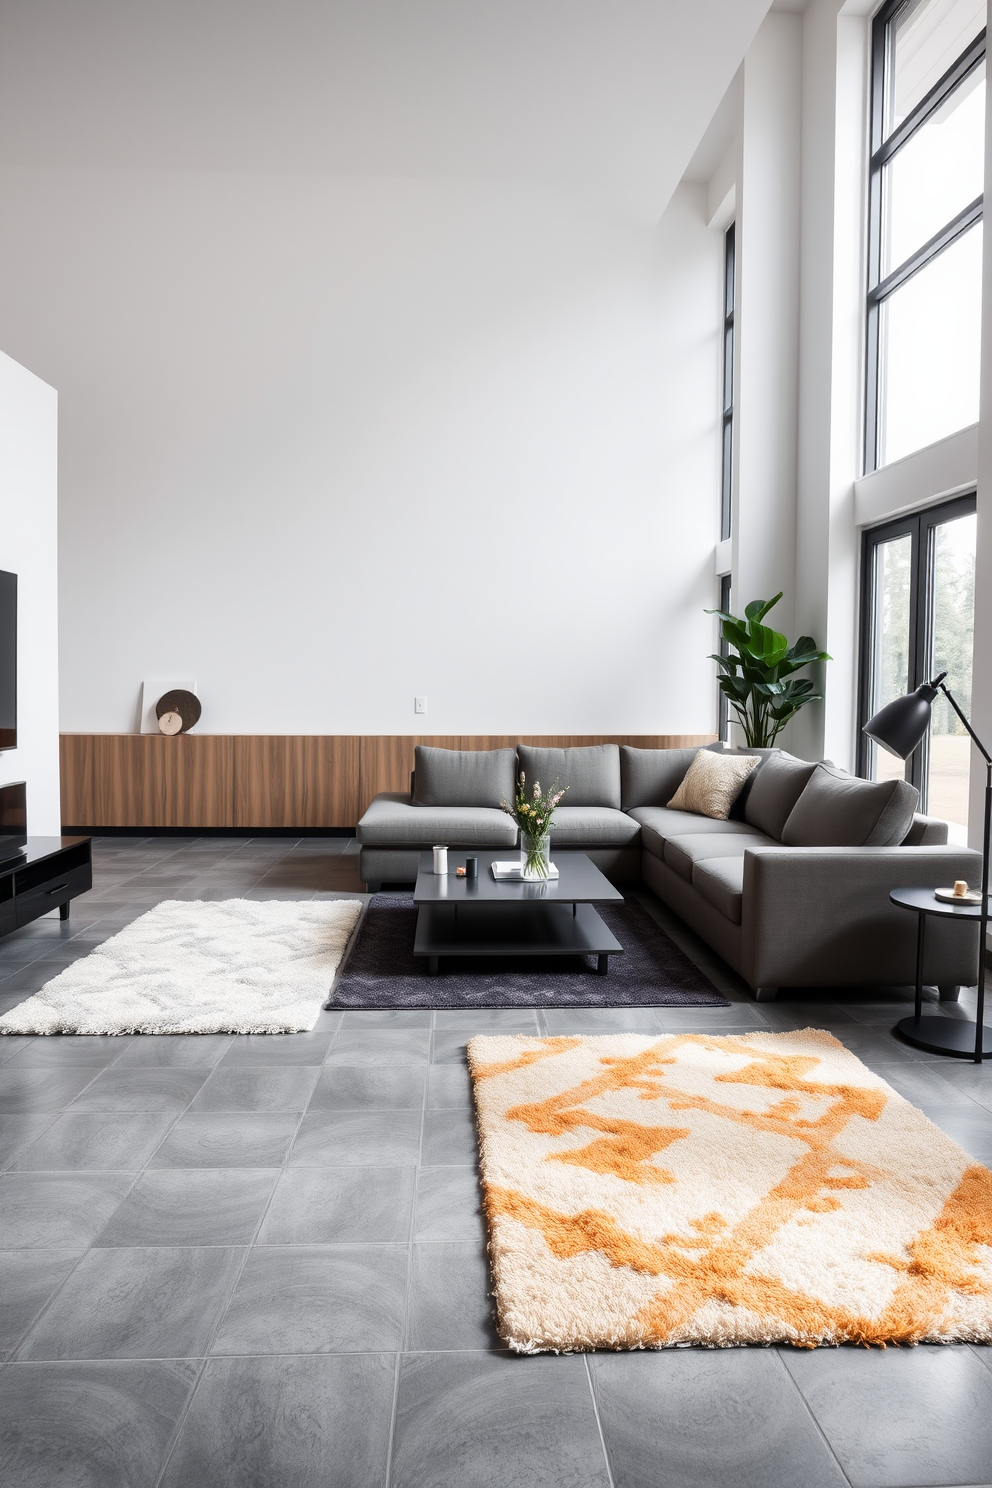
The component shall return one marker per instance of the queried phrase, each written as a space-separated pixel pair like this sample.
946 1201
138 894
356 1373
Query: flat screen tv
8 660
13 820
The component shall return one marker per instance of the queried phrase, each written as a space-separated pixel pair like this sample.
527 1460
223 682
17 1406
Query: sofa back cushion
839 810
463 777
650 777
775 789
738 811
712 783
592 773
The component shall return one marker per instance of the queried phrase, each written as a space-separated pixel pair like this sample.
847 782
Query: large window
925 224
918 605
727 468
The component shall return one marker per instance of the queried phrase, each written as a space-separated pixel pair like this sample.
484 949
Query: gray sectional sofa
791 890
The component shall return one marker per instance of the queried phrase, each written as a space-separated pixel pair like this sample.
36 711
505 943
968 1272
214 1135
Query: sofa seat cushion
658 823
721 881
592 826
392 821
683 853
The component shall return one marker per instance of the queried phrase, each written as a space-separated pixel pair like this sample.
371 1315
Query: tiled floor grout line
181 1420
19 1152
239 1272
408 1296
599 1423
393 1413
12 1355
812 1415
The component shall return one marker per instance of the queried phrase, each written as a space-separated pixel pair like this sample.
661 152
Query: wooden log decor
177 711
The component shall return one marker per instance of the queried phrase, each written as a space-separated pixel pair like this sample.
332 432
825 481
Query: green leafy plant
756 677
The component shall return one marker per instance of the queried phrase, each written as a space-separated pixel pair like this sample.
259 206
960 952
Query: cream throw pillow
712 783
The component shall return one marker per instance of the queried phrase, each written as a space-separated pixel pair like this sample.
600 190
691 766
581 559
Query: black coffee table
480 917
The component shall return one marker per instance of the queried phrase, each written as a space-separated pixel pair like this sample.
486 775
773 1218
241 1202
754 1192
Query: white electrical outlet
420 705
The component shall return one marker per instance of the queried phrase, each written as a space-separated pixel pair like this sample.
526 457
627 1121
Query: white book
511 872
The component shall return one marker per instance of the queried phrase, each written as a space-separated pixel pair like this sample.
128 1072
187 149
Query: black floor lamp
899 728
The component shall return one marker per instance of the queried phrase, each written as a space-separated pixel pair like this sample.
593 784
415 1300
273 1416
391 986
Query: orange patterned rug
766 1187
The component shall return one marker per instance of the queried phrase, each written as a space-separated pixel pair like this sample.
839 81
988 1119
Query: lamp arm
977 741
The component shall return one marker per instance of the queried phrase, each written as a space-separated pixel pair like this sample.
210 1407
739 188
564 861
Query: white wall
28 547
327 444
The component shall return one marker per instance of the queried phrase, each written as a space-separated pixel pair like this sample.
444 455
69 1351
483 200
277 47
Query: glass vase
535 856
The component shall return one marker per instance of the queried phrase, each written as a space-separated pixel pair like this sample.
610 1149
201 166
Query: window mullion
948 234
884 149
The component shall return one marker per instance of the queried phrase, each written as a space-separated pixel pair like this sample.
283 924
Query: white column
830 381
29 548
766 404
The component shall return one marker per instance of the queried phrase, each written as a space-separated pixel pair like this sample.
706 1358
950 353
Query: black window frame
727 433
882 151
920 526
723 702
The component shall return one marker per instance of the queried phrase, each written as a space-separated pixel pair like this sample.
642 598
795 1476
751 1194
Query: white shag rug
193 966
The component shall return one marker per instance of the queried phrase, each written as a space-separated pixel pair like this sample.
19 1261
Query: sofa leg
949 993
373 886
765 994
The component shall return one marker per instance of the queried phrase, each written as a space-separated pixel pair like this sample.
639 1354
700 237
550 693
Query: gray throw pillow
775 789
650 777
839 810
463 777
592 773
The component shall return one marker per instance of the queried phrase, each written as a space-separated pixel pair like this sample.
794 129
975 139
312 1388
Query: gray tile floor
260 1261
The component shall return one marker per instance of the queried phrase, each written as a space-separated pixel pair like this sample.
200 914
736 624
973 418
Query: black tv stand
50 873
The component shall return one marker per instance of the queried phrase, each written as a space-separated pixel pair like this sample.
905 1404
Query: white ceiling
613 93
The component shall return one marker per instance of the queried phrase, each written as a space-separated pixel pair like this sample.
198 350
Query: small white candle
441 860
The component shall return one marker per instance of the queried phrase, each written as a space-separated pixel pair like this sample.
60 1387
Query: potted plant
532 813
756 675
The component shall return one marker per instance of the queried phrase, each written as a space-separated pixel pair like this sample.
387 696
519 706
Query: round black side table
966 1040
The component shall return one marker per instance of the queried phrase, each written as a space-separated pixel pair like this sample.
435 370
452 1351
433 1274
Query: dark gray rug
653 972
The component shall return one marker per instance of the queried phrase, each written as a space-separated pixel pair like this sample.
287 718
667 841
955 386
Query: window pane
953 610
929 352
925 38
890 639
936 174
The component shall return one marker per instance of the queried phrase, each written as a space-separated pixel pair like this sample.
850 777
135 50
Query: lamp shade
901 724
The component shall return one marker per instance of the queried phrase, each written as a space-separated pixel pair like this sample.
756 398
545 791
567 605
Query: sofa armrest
821 916
381 805
926 831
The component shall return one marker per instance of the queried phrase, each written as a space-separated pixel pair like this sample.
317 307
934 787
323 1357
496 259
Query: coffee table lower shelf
513 930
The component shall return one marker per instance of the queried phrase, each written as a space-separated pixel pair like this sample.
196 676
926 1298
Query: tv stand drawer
50 872
57 889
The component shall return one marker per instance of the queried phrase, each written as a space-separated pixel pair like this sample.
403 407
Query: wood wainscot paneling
147 780
387 759
310 781
296 780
